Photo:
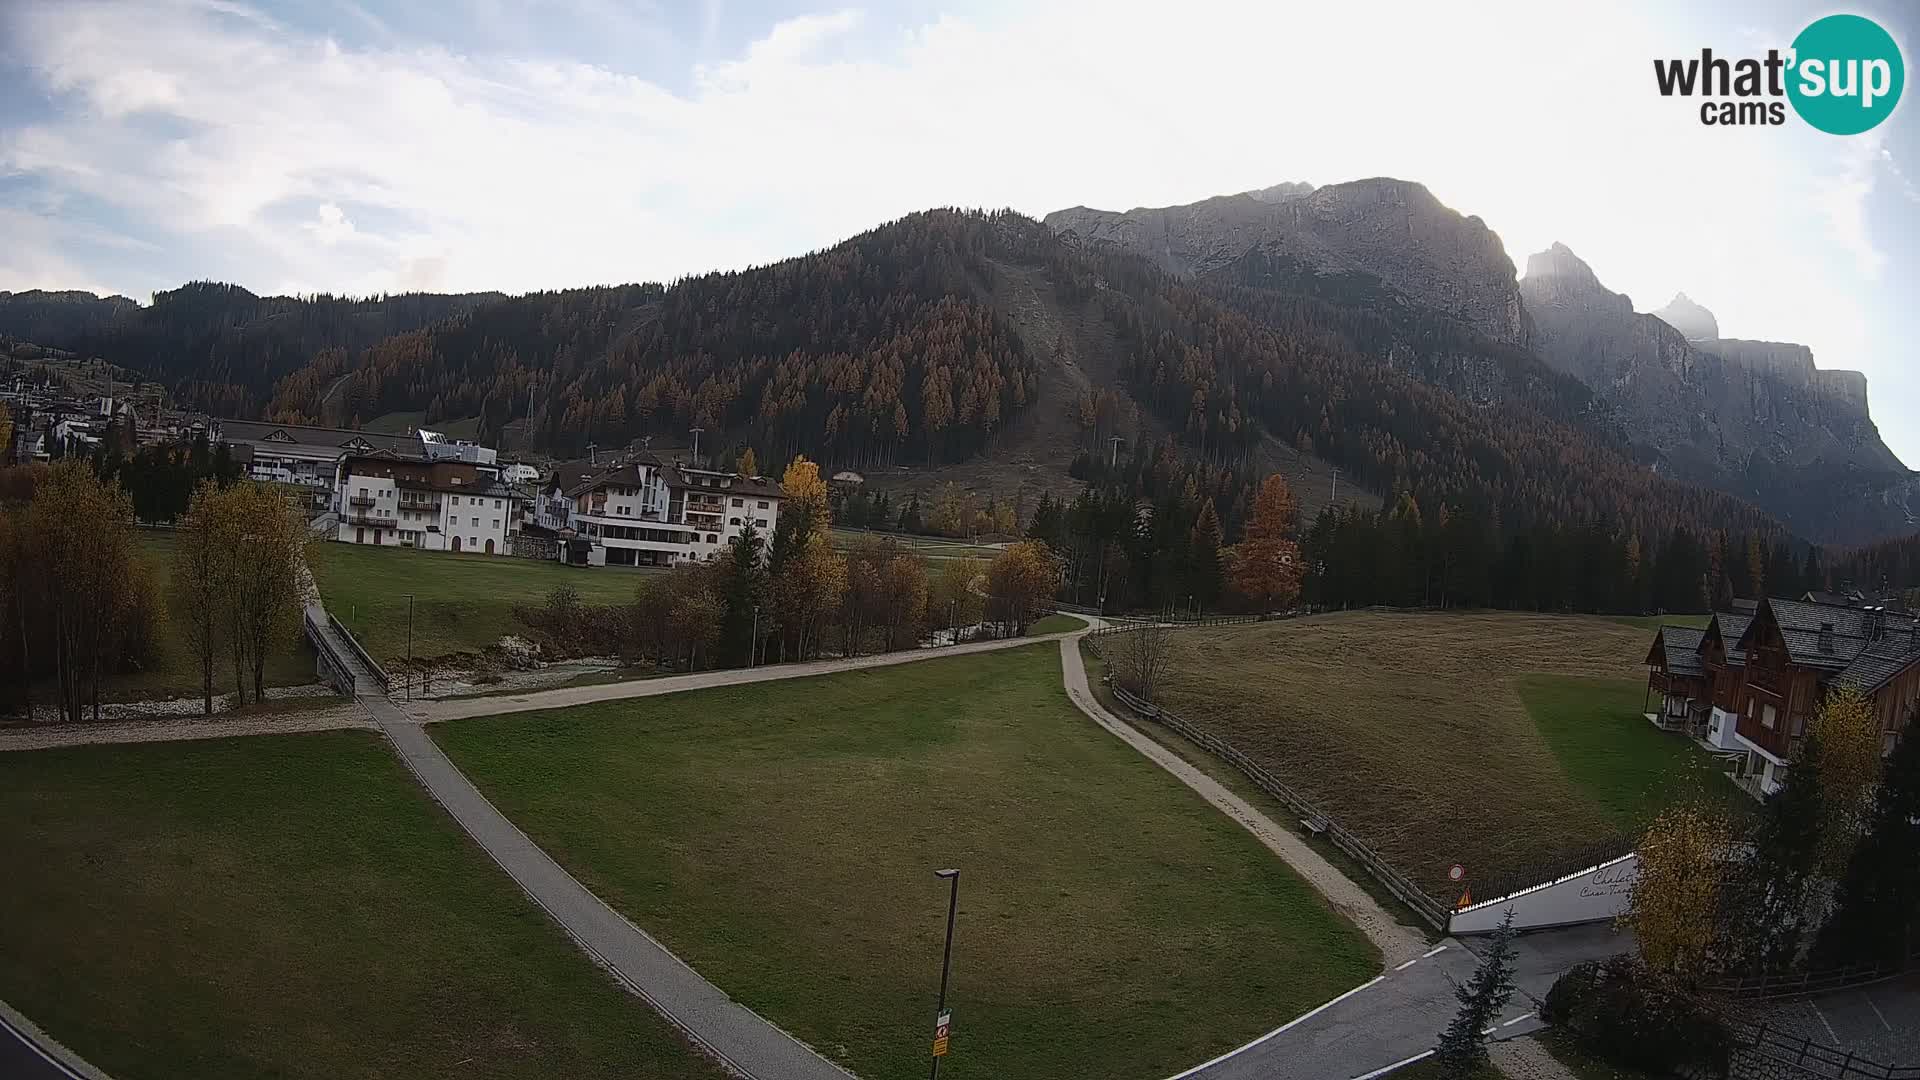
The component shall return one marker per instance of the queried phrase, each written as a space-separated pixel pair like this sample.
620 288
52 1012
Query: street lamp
753 645
940 1025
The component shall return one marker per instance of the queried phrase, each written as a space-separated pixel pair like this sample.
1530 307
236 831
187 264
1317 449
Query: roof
316 438
1879 663
1733 626
759 487
1680 646
1831 637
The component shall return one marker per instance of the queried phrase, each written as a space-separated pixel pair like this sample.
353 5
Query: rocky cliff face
1755 418
1390 229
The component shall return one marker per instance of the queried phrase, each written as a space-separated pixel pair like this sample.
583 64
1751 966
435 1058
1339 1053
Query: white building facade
648 513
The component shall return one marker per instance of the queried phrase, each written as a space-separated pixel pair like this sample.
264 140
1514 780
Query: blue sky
489 144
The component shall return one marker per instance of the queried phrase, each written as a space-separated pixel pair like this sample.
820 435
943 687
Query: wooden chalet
1751 683
1674 671
1797 652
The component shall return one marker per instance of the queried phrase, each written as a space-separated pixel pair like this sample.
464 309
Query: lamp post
953 622
753 645
946 966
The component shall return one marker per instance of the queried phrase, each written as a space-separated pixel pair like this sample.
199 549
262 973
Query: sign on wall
1596 894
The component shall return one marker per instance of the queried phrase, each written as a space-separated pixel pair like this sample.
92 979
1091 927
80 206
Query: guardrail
373 667
329 665
1812 1058
1316 819
1783 984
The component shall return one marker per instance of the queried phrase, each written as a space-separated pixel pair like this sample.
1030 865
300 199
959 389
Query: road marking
1517 1019
1422 1055
1408 964
1876 1010
1435 951
1834 1035
27 1041
1205 1065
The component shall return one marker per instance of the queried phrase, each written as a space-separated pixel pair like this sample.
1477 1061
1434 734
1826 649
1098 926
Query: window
733 521
496 504
456 500
476 523
494 524
1768 717
473 542
763 504
738 502
762 523
711 539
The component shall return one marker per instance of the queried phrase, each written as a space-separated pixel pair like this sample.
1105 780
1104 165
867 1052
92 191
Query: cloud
294 161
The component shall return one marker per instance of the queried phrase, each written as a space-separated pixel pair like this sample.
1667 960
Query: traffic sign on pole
942 1026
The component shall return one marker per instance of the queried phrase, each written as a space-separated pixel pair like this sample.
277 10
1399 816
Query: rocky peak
1696 322
1557 277
1279 193
1392 230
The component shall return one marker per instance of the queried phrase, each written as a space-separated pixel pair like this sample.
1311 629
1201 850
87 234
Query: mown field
782 838
1499 741
927 547
288 906
462 603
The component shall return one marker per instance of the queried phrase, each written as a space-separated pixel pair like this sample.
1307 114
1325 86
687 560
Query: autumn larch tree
1265 565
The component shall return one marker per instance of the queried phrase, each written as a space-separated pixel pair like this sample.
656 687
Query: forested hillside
900 346
219 347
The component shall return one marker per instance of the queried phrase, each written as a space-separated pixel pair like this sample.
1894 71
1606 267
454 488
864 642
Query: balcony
361 500
379 519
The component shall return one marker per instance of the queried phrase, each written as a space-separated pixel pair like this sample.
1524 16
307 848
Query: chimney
1826 639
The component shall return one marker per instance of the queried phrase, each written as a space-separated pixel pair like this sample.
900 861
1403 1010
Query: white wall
1589 896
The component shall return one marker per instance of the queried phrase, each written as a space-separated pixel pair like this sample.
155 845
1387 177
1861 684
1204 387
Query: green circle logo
1847 74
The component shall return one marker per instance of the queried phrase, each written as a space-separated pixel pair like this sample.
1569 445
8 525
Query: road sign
1456 872
942 1024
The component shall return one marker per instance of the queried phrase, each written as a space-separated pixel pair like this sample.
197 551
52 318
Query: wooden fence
373 667
1314 818
1773 1047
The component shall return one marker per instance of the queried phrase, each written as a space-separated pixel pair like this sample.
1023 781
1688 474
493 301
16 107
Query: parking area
1880 1023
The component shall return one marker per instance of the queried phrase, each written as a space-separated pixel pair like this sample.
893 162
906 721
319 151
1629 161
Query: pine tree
1462 1052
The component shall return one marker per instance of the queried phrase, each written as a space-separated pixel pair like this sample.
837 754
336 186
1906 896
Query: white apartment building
649 513
448 504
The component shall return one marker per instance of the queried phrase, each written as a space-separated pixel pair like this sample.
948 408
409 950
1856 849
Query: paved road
22 1056
494 705
1880 1022
726 1029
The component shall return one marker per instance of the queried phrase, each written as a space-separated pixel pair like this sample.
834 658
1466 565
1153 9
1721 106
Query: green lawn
930 547
398 423
288 906
1598 730
1057 624
782 839
1650 623
175 672
462 603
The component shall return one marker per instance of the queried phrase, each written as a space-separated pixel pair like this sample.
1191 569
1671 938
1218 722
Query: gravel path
493 705
330 718
1396 941
731 1033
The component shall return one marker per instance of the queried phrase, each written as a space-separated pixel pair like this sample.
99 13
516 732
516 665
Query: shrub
1617 1011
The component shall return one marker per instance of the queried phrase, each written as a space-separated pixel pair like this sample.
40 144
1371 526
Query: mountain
1753 418
1431 292
987 342
217 346
1694 322
1392 230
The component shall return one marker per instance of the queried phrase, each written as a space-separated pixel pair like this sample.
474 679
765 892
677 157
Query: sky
353 147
